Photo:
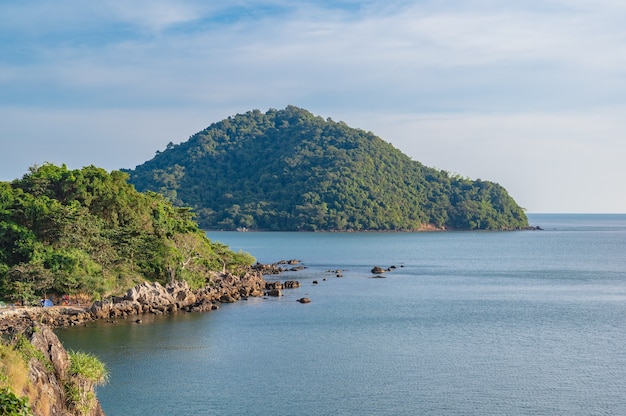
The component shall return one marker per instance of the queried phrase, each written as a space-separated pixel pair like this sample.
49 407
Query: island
290 170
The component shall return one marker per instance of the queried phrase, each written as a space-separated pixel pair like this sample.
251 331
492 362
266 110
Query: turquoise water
480 323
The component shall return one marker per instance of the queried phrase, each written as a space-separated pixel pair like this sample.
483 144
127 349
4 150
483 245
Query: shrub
86 371
11 405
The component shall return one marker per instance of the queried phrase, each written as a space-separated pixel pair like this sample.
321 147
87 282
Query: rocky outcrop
291 284
49 373
379 270
150 298
274 289
18 320
157 299
49 376
278 267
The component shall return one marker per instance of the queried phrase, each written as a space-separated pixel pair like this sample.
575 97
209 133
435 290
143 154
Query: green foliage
88 231
12 405
86 371
88 367
73 397
289 170
28 352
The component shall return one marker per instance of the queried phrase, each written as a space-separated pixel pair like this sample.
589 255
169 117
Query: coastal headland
151 298
48 366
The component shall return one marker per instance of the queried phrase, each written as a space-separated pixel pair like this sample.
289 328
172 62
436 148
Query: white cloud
156 15
418 52
505 91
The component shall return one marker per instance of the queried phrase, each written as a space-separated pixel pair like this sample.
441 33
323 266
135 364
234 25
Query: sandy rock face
49 374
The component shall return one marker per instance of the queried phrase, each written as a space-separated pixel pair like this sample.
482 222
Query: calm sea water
469 323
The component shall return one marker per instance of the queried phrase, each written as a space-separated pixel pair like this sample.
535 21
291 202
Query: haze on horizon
530 95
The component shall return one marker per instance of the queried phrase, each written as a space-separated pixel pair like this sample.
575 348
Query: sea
463 323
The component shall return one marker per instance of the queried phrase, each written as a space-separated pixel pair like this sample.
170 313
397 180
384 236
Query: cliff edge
38 377
36 372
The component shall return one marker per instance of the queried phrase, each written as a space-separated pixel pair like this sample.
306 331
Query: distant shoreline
429 229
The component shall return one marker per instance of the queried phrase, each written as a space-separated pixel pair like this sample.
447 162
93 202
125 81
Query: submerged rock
274 292
291 284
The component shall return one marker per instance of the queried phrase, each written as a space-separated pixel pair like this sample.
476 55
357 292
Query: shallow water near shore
484 323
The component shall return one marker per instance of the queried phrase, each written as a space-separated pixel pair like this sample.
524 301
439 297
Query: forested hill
290 170
90 232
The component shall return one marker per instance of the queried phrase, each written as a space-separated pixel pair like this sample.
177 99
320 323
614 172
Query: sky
529 94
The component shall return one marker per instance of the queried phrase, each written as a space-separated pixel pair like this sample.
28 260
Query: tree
290 170
88 231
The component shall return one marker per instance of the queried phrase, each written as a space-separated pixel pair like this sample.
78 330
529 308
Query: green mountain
290 170
87 231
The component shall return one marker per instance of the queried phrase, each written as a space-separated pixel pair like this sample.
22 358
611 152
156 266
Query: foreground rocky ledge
50 375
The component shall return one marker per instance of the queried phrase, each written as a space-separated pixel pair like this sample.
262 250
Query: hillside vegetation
290 170
90 232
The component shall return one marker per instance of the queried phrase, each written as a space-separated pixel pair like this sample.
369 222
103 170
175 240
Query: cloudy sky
530 94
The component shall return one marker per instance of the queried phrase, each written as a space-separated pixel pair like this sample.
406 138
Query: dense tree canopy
290 170
89 231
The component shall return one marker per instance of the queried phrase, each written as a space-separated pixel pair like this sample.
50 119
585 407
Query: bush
88 367
86 371
11 405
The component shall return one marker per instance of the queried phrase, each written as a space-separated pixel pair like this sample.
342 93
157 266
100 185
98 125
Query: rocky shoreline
48 382
148 298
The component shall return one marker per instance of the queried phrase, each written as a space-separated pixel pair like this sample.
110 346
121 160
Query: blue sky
531 94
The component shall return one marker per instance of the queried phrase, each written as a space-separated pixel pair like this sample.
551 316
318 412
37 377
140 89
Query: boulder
267 268
227 299
149 293
181 293
273 285
274 292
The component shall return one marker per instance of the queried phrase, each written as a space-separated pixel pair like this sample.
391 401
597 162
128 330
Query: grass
88 367
86 370
13 378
